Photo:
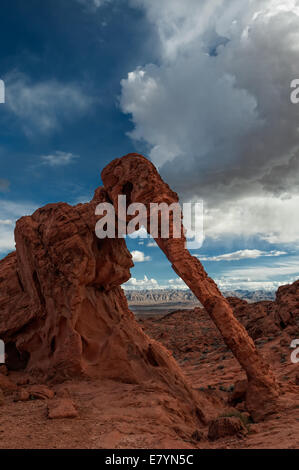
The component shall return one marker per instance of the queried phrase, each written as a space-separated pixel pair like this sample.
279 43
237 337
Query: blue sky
195 86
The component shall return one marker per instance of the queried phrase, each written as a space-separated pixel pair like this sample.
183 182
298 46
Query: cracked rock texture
137 178
63 312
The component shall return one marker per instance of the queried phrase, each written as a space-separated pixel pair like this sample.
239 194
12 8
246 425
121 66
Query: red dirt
118 415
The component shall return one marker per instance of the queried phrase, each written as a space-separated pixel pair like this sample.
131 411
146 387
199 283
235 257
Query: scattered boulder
226 426
62 408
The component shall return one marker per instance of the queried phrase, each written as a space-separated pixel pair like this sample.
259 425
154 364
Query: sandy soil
118 415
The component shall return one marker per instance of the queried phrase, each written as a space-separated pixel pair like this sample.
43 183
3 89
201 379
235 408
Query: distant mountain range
179 296
251 296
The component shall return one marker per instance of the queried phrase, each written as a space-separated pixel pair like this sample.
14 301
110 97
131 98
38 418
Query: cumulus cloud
141 233
141 284
42 106
150 284
226 284
215 111
58 158
242 254
273 219
152 244
177 283
139 256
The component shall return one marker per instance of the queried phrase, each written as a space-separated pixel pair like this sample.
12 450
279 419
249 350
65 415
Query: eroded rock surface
137 178
269 317
64 315
58 291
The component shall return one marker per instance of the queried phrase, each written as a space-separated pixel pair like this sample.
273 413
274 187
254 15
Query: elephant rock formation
63 313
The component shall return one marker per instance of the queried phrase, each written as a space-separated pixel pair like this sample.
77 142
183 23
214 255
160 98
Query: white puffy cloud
141 284
152 244
149 284
58 158
42 106
227 283
215 110
6 237
139 256
274 219
177 283
242 254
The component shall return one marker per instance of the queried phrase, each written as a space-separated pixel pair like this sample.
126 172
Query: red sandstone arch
135 172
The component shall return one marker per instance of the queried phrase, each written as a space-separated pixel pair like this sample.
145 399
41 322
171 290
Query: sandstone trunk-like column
137 178
63 313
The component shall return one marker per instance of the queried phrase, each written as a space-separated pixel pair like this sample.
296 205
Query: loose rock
62 408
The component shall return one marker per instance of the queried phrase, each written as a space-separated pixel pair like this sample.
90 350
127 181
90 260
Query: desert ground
111 414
